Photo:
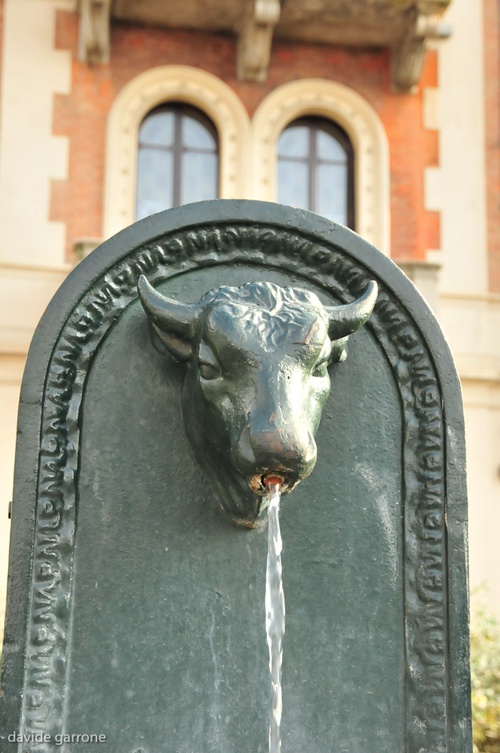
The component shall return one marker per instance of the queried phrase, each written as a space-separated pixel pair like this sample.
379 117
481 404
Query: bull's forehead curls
266 315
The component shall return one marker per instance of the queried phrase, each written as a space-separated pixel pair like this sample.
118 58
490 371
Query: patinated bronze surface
135 609
257 380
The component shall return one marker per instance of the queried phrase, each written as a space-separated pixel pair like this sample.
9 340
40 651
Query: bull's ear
174 322
346 319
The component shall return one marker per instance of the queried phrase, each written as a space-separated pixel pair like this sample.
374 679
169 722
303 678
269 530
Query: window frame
180 83
339 103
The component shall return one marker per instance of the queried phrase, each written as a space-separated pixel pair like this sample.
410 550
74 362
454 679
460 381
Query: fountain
135 615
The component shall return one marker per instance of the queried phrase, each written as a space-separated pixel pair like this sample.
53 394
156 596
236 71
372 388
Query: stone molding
94 31
404 26
82 247
137 98
25 290
471 323
425 276
364 128
255 39
408 54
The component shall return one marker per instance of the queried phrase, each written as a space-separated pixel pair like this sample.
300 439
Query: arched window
178 158
316 169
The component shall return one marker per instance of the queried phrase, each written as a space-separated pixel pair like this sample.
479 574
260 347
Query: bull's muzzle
288 454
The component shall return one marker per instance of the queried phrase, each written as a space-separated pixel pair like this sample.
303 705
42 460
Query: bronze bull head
256 381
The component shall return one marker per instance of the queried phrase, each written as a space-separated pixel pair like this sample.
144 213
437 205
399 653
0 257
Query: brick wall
82 116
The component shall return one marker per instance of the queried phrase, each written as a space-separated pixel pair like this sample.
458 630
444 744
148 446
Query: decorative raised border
315 96
137 98
424 463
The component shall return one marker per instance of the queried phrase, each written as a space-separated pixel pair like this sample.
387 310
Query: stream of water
275 615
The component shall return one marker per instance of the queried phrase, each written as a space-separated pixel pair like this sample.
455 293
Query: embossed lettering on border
424 502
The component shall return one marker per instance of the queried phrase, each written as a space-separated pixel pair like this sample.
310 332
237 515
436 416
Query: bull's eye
209 371
321 369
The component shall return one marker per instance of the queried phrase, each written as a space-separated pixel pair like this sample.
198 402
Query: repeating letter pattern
424 501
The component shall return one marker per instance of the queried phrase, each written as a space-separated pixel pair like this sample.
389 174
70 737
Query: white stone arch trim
142 94
360 121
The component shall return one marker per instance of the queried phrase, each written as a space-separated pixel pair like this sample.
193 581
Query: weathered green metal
135 609
257 380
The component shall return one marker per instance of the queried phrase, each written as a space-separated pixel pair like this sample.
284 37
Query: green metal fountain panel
136 608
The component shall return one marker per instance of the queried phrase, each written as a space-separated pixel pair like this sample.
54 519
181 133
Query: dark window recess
316 169
178 159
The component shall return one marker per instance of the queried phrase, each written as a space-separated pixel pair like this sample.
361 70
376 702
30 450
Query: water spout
275 609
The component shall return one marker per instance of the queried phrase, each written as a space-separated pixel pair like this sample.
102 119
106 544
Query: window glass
331 197
293 183
157 129
316 169
329 148
154 182
294 142
198 177
196 136
178 159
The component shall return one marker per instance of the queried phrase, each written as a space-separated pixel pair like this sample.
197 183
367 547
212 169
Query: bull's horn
174 322
343 320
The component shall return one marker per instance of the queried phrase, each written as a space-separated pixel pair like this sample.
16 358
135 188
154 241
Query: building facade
387 111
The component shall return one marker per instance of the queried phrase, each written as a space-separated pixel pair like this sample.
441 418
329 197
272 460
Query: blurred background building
380 114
